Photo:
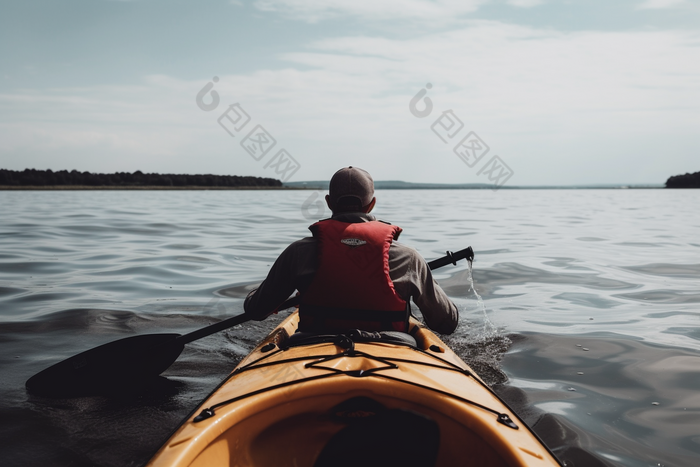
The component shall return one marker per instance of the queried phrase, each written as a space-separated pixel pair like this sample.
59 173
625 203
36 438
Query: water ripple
611 270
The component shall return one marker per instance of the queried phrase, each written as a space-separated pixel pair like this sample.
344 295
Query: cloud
442 11
557 107
660 4
525 3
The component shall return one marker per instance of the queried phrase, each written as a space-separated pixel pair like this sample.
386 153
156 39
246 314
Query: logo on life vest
353 242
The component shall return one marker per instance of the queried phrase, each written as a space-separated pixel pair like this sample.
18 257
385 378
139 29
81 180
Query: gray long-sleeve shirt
296 266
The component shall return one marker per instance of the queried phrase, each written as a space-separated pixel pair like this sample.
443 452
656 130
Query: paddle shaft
452 258
212 329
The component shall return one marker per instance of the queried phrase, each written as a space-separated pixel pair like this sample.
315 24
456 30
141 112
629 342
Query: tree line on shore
684 181
32 177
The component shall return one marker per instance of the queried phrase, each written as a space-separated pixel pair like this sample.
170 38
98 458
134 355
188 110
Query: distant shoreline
137 188
75 180
687 180
62 180
401 185
296 188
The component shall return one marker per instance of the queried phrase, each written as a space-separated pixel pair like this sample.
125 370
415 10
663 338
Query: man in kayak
352 274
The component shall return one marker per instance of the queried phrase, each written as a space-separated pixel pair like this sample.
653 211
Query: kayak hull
327 403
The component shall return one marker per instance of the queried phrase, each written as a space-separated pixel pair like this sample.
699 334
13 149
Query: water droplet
579 345
590 319
584 348
654 403
572 389
580 373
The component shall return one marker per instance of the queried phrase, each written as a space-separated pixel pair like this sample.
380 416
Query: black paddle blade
109 368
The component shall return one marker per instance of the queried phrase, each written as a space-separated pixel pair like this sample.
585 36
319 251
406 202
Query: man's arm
412 277
438 310
293 270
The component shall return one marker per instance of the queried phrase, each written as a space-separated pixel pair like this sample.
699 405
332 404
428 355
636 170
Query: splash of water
481 345
488 330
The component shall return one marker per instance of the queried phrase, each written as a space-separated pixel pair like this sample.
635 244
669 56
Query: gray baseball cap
351 182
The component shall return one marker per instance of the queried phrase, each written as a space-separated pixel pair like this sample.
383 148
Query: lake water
590 327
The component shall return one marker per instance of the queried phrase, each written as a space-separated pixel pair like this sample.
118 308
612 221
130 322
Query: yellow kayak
349 400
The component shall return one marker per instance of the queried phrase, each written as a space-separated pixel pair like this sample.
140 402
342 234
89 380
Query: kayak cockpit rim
348 350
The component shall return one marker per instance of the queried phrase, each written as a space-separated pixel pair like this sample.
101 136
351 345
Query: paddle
121 364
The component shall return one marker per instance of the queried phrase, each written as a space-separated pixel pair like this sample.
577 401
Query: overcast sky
562 91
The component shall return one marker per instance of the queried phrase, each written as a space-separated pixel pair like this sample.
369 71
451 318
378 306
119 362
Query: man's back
296 269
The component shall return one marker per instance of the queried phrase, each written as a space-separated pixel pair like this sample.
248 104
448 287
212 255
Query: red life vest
352 288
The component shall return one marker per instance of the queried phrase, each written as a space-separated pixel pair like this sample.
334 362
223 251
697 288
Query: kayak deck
334 400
